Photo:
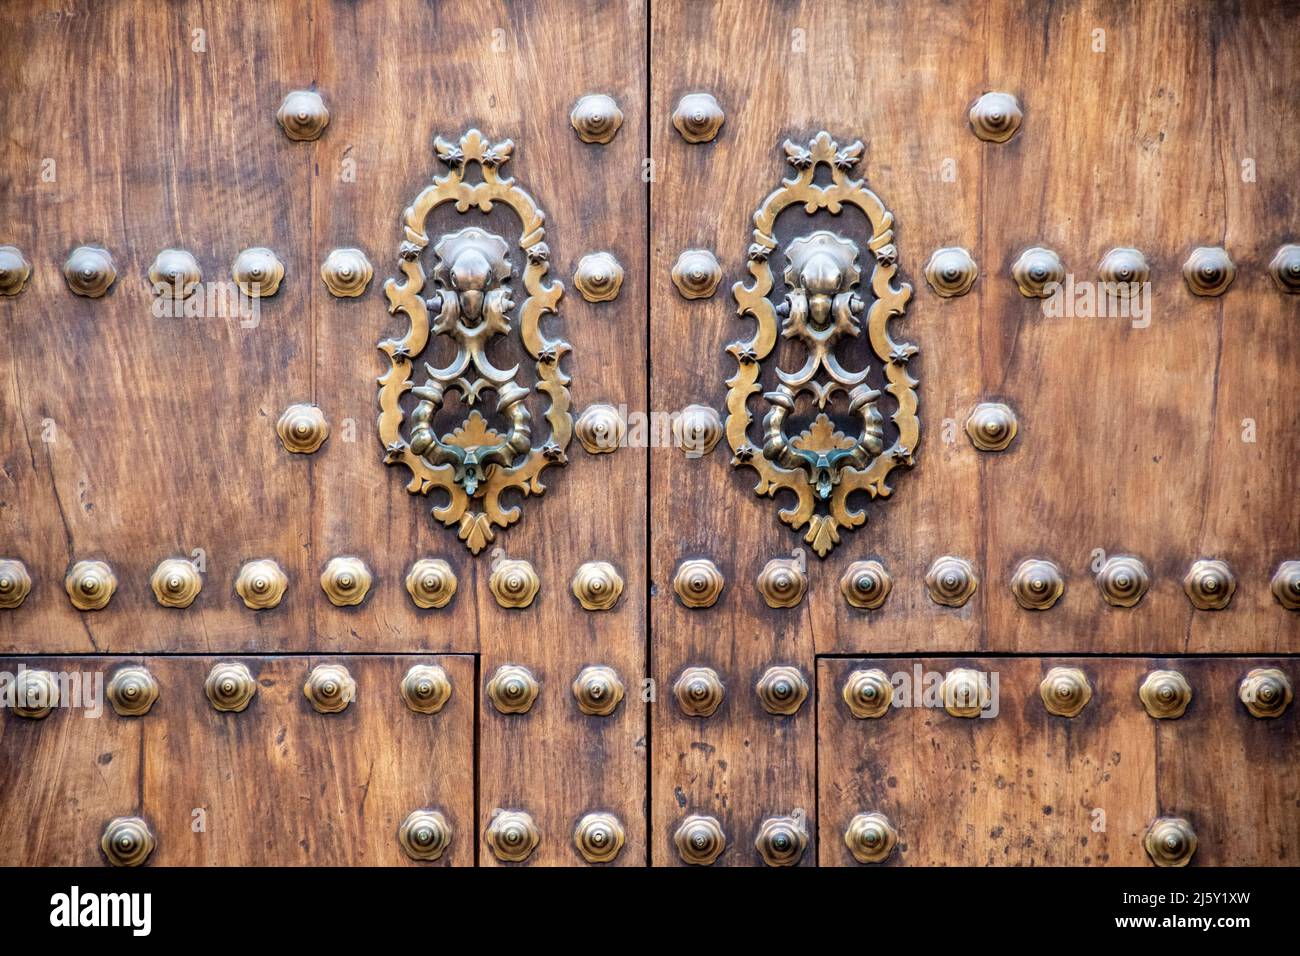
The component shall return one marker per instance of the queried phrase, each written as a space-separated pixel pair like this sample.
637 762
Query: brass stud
512 689
513 583
89 271
1165 694
512 835
698 117
15 583
782 690
1209 270
90 585
697 430
699 691
782 840
176 582
601 429
1286 585
1122 269
424 835
698 583
1122 581
699 840
302 429
14 270
431 583
992 426
1038 272
345 581
866 584
258 272
426 688
35 693
596 118
175 274
965 692
951 581
1209 585
1266 692
303 116
782 582
230 686
127 841
1285 268
870 837
132 691
347 273
1065 691
868 693
697 274
1170 841
597 690
261 584
1037 584
598 277
951 271
995 117
330 688
598 837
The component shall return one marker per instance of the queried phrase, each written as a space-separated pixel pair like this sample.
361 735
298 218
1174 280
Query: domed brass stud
431 583
90 585
995 117
514 583
951 271
14 270
347 273
1122 581
596 118
1266 692
89 271
697 274
697 430
330 688
698 117
302 429
1065 691
870 837
601 429
699 691
1286 585
699 840
1122 269
512 836
1209 270
866 584
1209 585
261 584
258 272
175 274
965 692
1037 584
127 841
782 840
598 277
951 581
1285 268
698 583
992 426
512 689
1170 841
597 690
782 582
1165 694
1038 272
302 115
868 693
598 837
782 690
176 582
15 583
230 686
426 688
345 581
424 835
35 693
132 691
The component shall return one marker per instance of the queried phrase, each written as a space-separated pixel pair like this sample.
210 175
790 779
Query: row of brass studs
781 691
346 580
1037 583
1165 694
602 430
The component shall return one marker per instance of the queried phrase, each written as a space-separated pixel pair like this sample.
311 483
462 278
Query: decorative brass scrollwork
821 465
472 304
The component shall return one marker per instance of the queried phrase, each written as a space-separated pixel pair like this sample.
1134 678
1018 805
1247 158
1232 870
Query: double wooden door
736 432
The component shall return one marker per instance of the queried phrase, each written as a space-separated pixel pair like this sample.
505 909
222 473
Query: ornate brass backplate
823 305
472 303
